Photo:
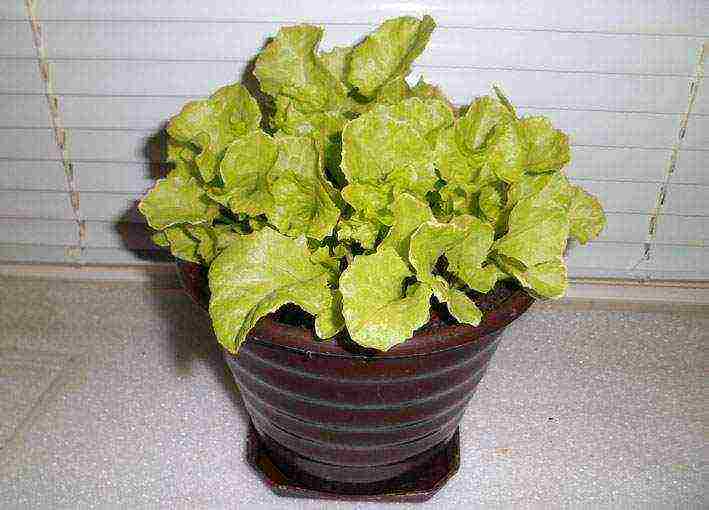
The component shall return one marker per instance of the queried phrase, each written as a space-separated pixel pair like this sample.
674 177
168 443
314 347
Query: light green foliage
335 61
330 321
245 171
539 226
383 149
369 200
490 202
465 242
282 178
360 229
387 54
176 200
483 279
425 90
197 243
506 155
363 197
213 123
547 148
408 214
378 311
160 239
302 207
548 279
182 244
302 204
475 128
256 276
585 216
289 66
535 234
462 308
427 116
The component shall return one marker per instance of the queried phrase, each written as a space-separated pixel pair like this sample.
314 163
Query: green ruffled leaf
289 66
207 247
245 171
330 320
281 178
302 207
378 312
321 125
425 90
213 123
465 242
408 214
507 154
586 216
360 229
505 102
491 203
454 164
257 276
227 234
455 200
548 279
466 256
336 61
547 148
160 239
483 279
177 199
387 53
182 245
390 93
302 203
547 191
380 149
370 201
545 280
475 149
199 243
462 308
428 116
536 234
475 128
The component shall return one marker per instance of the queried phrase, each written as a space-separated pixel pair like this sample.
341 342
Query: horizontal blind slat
21 143
683 230
38 231
42 204
690 200
63 254
38 175
541 89
633 16
448 46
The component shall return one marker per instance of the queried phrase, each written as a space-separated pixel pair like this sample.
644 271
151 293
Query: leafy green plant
360 197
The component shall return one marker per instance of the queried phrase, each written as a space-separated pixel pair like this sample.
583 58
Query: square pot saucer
417 485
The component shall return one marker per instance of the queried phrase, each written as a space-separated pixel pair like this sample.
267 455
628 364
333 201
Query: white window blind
615 75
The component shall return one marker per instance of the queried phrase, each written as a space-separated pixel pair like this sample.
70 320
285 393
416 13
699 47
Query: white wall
613 74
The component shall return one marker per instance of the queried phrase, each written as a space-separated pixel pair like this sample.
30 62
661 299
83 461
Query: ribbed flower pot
333 420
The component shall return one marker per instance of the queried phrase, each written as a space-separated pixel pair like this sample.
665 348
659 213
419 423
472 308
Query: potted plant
366 242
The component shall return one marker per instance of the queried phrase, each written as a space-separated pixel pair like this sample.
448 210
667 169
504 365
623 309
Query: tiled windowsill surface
115 395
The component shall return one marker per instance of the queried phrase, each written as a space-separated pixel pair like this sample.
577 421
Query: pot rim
426 341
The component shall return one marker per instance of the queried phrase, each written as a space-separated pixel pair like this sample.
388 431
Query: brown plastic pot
331 419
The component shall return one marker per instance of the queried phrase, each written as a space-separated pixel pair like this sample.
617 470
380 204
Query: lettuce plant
359 197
